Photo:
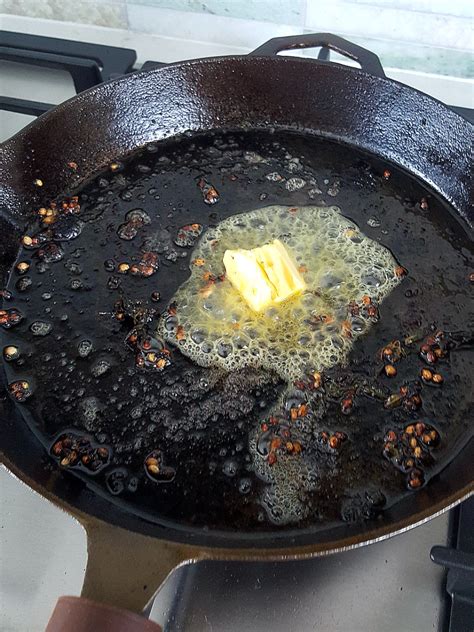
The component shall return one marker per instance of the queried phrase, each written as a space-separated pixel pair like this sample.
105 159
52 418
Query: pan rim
304 542
207 61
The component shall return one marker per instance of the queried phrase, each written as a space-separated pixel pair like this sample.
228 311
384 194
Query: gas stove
390 585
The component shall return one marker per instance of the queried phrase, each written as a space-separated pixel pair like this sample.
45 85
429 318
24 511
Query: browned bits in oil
199 262
373 312
72 165
415 479
22 267
294 414
334 442
153 462
347 403
391 436
271 458
48 215
27 240
471 277
147 266
20 390
302 410
180 334
419 428
412 403
438 378
346 329
187 235
426 375
354 309
400 272
209 193
115 166
57 448
79 451
393 401
390 370
430 437
317 380
153 468
69 206
103 453
386 174
123 268
155 297
424 203
11 353
10 317
431 357
70 459
38 182
275 444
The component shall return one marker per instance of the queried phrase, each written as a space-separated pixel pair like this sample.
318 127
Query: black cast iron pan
358 110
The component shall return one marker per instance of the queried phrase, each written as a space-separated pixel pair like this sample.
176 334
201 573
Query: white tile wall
210 28
395 23
110 13
425 35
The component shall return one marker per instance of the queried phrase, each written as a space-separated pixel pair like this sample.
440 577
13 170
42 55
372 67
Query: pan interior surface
169 440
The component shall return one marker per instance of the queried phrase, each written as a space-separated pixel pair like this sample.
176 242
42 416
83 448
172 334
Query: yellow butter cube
264 275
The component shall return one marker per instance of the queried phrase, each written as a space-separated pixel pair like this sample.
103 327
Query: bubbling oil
212 324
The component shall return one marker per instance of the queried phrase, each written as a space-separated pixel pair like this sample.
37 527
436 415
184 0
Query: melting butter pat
263 275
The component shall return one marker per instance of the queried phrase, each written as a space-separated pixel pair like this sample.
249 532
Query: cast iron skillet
129 557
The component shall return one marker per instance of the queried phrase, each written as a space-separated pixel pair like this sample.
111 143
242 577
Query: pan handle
126 569
368 61
124 572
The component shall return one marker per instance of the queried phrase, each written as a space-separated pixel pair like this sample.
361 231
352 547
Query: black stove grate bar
88 64
112 60
21 106
84 72
459 562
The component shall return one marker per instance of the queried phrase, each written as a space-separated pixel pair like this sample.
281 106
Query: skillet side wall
114 119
